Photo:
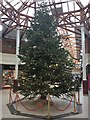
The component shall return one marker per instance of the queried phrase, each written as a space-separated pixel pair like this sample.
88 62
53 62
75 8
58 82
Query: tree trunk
43 96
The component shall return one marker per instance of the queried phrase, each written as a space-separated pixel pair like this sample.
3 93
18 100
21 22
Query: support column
1 73
84 78
17 52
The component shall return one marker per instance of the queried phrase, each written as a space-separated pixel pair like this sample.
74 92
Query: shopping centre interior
73 24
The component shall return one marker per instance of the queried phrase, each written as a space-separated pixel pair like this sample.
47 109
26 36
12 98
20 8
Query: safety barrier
65 107
17 100
39 107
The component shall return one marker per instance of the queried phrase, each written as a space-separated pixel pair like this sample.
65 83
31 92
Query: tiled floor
4 111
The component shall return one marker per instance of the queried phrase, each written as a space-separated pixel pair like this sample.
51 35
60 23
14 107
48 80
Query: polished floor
5 111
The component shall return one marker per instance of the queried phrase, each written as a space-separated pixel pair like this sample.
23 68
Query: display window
8 76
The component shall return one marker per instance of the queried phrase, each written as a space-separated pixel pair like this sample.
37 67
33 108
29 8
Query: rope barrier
19 100
39 107
65 107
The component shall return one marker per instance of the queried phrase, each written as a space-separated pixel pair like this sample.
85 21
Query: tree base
41 100
49 117
45 98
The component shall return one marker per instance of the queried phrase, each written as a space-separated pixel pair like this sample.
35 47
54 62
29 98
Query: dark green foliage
47 67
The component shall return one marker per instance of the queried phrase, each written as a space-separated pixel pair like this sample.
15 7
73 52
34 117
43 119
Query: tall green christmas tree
47 66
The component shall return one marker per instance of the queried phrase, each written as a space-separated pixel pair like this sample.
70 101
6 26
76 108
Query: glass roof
20 13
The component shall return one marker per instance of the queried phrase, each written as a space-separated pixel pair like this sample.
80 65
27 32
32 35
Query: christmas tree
47 67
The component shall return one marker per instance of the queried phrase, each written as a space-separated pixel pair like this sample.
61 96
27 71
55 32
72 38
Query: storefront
8 75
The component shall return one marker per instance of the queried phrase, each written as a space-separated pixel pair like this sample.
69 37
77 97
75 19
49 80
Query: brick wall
8 46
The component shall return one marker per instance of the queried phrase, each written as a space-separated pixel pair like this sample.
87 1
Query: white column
17 52
83 51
